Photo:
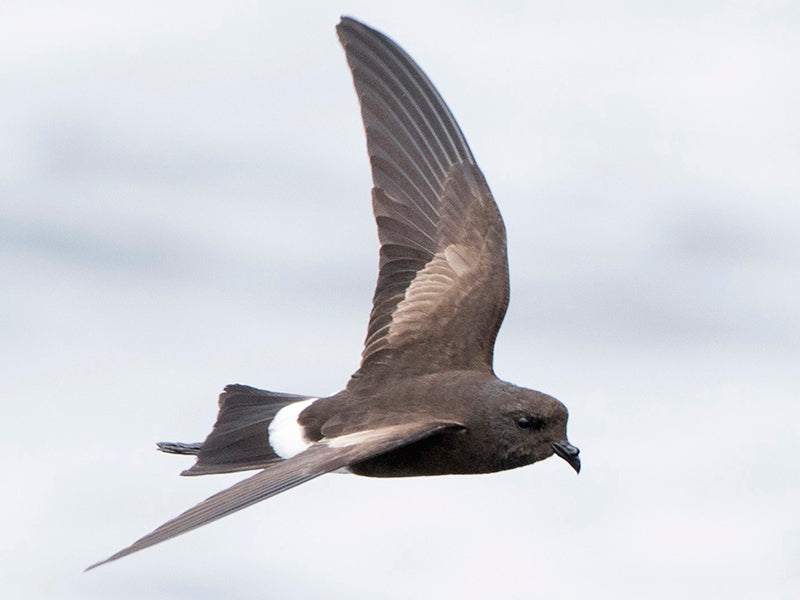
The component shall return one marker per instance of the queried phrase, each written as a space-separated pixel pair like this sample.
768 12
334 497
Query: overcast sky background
184 203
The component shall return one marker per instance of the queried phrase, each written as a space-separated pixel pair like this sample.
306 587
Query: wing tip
345 24
111 558
94 566
346 21
350 27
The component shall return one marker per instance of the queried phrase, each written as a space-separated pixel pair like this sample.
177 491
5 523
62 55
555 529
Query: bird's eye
534 423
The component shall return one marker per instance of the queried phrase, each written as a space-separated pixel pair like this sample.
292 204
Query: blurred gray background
184 203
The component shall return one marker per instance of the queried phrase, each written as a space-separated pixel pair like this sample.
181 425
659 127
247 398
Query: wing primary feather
400 107
389 51
393 177
239 496
385 119
321 458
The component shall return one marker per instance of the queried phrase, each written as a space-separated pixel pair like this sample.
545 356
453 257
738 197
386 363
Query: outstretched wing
442 288
324 456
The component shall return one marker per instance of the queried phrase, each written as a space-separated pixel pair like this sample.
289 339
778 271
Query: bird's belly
447 453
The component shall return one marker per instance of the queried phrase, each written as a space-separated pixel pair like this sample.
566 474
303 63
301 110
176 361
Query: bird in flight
425 399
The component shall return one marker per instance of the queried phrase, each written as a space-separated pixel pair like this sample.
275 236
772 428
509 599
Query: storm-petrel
425 400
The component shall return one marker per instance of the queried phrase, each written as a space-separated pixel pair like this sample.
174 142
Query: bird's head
532 426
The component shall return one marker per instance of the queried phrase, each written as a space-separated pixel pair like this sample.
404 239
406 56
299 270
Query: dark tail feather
179 447
239 440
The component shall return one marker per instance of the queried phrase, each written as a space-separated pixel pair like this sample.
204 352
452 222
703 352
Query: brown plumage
425 400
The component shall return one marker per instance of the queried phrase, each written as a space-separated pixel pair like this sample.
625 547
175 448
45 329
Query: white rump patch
286 436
